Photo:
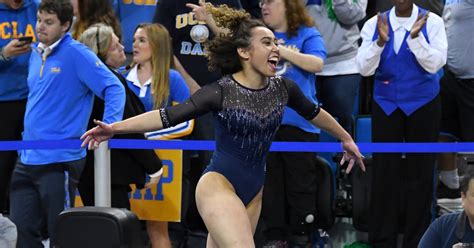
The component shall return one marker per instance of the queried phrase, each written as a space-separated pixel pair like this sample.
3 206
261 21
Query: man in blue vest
63 76
405 48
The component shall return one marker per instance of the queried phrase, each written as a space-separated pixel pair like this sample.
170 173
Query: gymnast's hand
199 11
352 155
94 136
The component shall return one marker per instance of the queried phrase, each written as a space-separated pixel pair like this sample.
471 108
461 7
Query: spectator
63 76
90 12
457 91
338 83
405 48
157 86
130 14
451 229
17 19
291 180
128 166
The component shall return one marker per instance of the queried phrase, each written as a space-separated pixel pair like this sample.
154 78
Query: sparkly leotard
245 121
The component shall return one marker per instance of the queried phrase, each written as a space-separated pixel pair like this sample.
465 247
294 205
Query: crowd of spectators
407 64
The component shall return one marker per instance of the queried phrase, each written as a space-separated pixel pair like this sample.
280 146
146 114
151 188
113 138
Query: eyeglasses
266 2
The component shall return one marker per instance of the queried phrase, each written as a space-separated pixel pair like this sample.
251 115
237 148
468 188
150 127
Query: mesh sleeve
299 102
206 99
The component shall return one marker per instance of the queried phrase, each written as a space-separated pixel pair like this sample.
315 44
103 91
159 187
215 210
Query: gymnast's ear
243 53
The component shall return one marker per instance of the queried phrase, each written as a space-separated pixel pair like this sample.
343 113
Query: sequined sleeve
298 101
206 99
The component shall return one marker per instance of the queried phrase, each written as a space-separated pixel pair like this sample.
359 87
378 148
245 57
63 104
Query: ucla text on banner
163 201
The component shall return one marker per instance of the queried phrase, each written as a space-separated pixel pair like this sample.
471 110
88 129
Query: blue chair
363 131
361 181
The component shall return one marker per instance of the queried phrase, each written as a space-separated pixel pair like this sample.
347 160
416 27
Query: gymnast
247 105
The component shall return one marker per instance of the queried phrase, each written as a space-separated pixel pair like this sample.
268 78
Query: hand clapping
420 22
382 28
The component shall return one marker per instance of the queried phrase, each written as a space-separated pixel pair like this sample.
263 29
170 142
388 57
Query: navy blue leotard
246 121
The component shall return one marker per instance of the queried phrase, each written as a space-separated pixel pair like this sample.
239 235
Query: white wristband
157 174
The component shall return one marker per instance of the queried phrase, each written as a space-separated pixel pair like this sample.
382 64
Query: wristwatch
2 57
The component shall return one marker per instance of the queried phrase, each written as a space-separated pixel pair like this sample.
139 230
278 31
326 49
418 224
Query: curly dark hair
222 50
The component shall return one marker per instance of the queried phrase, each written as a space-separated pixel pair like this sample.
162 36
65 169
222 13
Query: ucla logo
10 30
186 19
189 48
148 195
55 70
98 63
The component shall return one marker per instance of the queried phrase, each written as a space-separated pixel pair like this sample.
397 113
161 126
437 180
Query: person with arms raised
247 105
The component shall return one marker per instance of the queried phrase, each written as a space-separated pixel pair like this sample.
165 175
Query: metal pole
102 175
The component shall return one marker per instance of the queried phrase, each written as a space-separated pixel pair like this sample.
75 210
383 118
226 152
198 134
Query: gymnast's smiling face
263 53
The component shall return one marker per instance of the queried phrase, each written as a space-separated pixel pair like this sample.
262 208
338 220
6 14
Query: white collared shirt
431 57
133 77
45 51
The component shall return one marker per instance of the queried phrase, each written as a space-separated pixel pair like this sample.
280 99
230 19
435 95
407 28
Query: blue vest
400 81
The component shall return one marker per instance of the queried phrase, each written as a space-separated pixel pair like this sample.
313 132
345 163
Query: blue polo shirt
62 88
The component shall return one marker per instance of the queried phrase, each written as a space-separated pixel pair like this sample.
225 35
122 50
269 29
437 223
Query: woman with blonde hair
157 85
128 166
151 75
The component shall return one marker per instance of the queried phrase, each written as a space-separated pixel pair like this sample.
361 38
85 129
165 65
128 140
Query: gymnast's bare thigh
229 222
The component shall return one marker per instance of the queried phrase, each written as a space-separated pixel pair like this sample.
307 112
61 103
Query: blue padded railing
276 146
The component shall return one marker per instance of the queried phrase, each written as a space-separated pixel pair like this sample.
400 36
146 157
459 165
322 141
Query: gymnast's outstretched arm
208 98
